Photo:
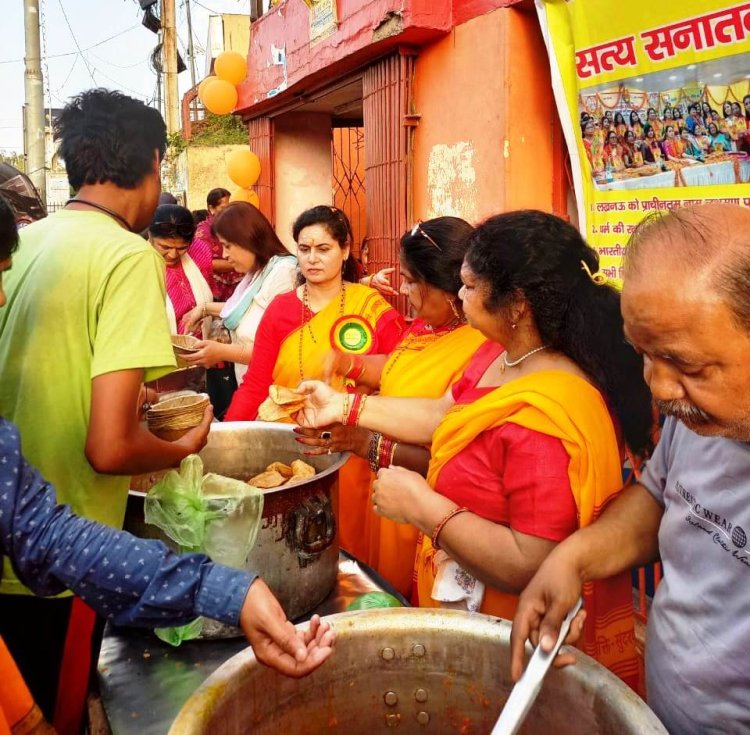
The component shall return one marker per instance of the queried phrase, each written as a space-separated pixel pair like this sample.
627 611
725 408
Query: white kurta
281 279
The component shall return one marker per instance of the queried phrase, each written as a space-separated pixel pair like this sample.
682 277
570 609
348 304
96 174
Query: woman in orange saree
19 715
524 448
300 328
432 355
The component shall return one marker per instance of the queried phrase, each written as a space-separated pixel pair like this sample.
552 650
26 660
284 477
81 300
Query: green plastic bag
215 515
373 599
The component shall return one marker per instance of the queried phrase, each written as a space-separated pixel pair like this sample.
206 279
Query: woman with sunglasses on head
328 310
188 274
524 447
432 355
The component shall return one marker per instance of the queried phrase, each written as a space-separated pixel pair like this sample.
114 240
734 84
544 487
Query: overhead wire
70 72
205 7
78 46
120 84
75 53
120 66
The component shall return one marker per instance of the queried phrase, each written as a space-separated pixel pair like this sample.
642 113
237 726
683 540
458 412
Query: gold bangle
360 409
345 410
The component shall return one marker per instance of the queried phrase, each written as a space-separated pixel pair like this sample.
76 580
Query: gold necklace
410 339
307 315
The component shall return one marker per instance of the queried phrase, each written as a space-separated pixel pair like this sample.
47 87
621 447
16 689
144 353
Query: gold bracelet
360 409
345 411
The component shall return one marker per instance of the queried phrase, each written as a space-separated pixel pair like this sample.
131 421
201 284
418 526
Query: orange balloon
219 97
246 195
231 66
203 85
243 167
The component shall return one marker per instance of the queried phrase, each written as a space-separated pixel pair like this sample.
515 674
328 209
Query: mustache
682 411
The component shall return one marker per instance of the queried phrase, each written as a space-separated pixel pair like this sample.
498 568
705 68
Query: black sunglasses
170 229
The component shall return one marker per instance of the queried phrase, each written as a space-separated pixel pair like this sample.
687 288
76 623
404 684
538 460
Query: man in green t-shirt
85 326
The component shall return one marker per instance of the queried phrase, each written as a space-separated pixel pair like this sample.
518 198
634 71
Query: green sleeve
131 328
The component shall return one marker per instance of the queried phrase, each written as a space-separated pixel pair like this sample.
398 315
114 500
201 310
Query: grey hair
704 239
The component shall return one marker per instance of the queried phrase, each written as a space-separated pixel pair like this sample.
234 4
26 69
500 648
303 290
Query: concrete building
57 187
402 111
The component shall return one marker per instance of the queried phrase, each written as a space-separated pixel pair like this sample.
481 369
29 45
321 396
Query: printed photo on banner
654 101
685 126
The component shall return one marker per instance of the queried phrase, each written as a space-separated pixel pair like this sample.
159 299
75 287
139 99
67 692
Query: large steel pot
296 552
417 670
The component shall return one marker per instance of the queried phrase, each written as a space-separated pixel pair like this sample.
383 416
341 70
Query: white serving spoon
527 687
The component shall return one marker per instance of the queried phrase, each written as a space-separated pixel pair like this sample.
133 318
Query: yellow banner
655 103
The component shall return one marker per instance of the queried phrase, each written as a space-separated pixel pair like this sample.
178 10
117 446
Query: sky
101 44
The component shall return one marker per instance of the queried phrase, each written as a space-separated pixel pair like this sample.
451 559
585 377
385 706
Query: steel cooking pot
297 551
417 670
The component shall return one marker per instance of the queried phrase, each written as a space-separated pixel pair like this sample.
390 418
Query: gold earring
454 308
513 325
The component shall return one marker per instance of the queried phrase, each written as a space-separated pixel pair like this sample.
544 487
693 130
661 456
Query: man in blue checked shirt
132 581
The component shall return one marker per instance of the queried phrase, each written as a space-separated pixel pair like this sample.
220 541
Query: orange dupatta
423 365
303 354
19 715
569 408
303 351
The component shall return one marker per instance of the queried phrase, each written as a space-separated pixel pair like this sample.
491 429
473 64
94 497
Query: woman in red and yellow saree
613 156
524 448
432 355
635 124
299 330
592 143
19 715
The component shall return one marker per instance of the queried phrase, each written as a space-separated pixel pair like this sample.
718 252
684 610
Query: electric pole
191 51
170 66
159 75
34 91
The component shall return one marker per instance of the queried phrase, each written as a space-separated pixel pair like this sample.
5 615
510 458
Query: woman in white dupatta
253 248
188 273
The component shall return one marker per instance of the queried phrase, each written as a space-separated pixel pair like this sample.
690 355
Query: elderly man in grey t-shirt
686 307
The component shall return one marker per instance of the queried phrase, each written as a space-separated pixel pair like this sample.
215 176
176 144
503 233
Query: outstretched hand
208 353
276 642
192 319
335 438
323 405
542 607
382 282
336 365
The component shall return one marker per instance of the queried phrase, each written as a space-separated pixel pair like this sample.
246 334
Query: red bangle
352 416
385 447
441 524
356 368
387 450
